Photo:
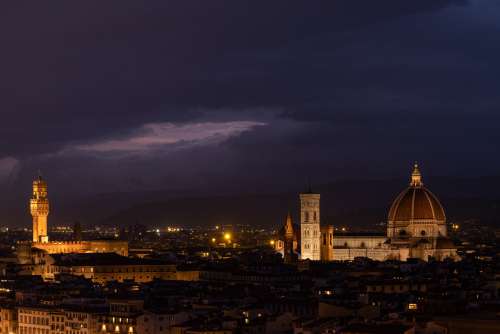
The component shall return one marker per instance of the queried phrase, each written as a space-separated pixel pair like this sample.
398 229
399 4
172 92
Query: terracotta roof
416 203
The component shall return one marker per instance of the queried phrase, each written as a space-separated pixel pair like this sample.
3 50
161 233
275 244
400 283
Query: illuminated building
122 317
288 240
326 243
416 228
30 253
35 319
288 252
8 319
102 268
39 207
309 226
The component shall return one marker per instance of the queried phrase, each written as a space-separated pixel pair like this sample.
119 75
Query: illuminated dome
416 211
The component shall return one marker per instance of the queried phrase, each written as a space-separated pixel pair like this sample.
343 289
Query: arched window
314 216
306 218
422 232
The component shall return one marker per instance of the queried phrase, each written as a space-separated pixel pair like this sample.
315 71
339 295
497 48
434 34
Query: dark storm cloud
329 86
80 70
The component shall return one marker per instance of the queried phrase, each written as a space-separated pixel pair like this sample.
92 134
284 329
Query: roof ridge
430 204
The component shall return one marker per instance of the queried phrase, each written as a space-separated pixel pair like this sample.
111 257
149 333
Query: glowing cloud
156 135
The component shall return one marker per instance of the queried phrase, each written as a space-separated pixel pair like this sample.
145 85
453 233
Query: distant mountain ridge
347 202
352 203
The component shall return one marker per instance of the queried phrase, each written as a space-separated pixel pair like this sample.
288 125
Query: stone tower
39 207
327 243
309 226
288 253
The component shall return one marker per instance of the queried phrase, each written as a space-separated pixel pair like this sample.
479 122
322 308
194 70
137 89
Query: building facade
30 253
102 268
416 228
288 252
310 226
39 208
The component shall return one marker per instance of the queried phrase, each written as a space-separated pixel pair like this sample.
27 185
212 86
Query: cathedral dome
416 204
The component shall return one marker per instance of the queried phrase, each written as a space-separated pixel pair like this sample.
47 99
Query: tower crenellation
39 208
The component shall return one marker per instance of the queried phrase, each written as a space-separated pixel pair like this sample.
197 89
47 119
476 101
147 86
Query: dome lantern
416 177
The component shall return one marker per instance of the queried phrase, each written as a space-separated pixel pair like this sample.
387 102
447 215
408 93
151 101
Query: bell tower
289 234
310 226
39 207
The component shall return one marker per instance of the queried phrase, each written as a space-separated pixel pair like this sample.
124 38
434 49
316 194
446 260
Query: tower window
422 232
314 216
306 218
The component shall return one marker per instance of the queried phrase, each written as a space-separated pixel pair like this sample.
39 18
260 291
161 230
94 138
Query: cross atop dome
416 177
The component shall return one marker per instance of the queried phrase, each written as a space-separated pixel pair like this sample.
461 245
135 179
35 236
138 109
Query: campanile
310 226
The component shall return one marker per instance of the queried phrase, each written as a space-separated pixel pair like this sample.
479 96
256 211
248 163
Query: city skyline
250 167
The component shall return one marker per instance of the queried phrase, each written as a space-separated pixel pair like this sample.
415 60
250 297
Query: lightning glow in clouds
154 135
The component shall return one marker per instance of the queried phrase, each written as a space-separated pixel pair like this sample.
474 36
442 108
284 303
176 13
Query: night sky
201 96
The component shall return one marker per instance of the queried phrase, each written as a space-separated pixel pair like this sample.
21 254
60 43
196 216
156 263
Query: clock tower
39 207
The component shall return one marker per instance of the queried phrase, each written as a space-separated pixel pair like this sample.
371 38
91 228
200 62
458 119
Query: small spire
416 176
289 225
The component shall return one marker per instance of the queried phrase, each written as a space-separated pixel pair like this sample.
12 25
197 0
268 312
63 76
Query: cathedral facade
34 251
416 228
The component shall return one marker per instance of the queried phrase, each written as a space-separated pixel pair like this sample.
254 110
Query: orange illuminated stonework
33 253
39 207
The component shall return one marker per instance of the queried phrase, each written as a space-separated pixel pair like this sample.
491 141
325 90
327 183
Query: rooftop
101 259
